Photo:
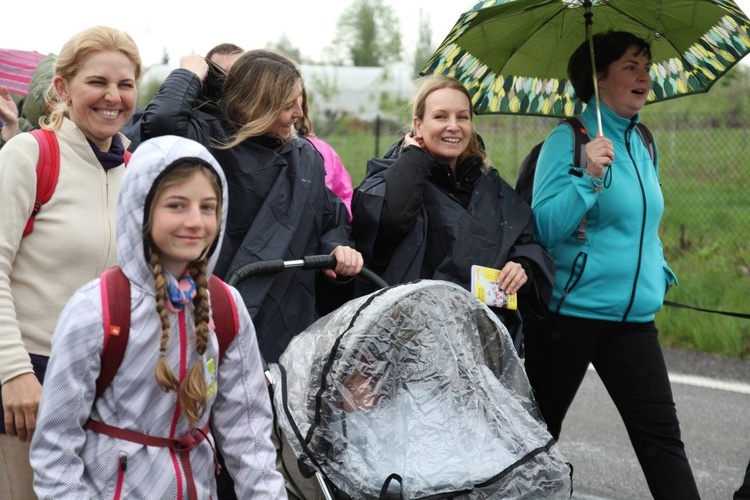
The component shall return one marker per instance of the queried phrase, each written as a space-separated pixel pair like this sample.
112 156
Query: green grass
705 175
712 277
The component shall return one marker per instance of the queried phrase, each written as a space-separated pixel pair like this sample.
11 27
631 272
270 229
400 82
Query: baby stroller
415 391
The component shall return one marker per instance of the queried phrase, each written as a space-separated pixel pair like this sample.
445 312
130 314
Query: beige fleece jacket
72 243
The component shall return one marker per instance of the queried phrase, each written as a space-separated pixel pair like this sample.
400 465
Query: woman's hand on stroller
349 262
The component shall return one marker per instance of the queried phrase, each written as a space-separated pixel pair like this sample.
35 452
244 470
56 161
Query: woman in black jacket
279 207
433 207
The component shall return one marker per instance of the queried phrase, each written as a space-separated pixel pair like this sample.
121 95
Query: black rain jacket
413 218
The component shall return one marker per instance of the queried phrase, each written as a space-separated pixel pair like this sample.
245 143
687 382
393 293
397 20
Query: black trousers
630 362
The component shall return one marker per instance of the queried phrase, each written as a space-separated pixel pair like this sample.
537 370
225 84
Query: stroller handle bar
307 262
278 265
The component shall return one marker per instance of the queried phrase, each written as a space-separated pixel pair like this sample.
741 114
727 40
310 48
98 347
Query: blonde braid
164 375
193 390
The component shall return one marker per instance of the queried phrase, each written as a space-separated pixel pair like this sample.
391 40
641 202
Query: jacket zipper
579 265
180 477
107 221
122 466
628 135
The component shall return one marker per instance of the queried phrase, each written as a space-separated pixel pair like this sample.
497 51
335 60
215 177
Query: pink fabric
338 179
16 68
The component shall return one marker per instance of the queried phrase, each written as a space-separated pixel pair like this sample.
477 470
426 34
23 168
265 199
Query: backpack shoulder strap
525 176
580 138
47 172
524 185
648 140
115 291
224 312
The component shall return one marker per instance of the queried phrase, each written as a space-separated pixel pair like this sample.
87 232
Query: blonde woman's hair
430 84
74 54
192 391
256 90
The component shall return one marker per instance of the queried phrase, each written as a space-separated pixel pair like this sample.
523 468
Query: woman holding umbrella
608 288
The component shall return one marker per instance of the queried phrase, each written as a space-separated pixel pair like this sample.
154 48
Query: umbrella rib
539 27
689 65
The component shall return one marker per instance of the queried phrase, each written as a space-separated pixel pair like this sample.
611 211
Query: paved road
713 403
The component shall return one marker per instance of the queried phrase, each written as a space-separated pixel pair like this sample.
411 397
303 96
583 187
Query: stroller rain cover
417 384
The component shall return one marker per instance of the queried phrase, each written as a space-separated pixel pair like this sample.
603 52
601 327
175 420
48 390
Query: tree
326 87
285 46
367 34
424 48
164 56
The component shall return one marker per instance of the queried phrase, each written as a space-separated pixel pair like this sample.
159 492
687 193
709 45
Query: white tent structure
357 91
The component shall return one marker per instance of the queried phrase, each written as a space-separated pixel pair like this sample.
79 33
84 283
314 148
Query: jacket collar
614 125
275 142
461 183
267 141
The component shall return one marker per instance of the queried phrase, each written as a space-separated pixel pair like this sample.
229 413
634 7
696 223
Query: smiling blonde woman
73 239
433 207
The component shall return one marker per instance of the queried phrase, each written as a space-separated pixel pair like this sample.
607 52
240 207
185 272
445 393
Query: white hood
149 162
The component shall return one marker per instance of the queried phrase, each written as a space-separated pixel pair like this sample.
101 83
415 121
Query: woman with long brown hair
279 206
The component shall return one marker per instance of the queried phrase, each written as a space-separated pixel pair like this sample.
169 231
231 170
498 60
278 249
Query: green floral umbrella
512 55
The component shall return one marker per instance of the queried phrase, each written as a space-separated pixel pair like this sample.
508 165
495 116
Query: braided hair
192 390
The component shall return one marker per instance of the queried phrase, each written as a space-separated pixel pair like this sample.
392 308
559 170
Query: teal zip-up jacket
618 273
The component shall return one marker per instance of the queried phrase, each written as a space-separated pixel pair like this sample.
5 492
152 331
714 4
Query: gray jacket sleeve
242 418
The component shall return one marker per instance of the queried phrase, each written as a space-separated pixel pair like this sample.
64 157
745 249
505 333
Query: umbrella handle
588 16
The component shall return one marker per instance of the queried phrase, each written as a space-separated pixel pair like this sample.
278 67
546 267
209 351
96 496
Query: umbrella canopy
16 67
513 55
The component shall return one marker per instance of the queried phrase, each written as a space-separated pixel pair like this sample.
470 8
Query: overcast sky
156 24
45 25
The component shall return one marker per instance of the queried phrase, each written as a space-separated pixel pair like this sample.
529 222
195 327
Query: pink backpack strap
182 447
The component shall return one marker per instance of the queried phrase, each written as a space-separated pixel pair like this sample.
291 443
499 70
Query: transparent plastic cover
419 383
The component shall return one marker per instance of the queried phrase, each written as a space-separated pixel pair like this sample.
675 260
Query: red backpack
47 171
115 290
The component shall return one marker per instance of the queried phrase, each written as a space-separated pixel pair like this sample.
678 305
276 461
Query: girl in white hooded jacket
170 219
